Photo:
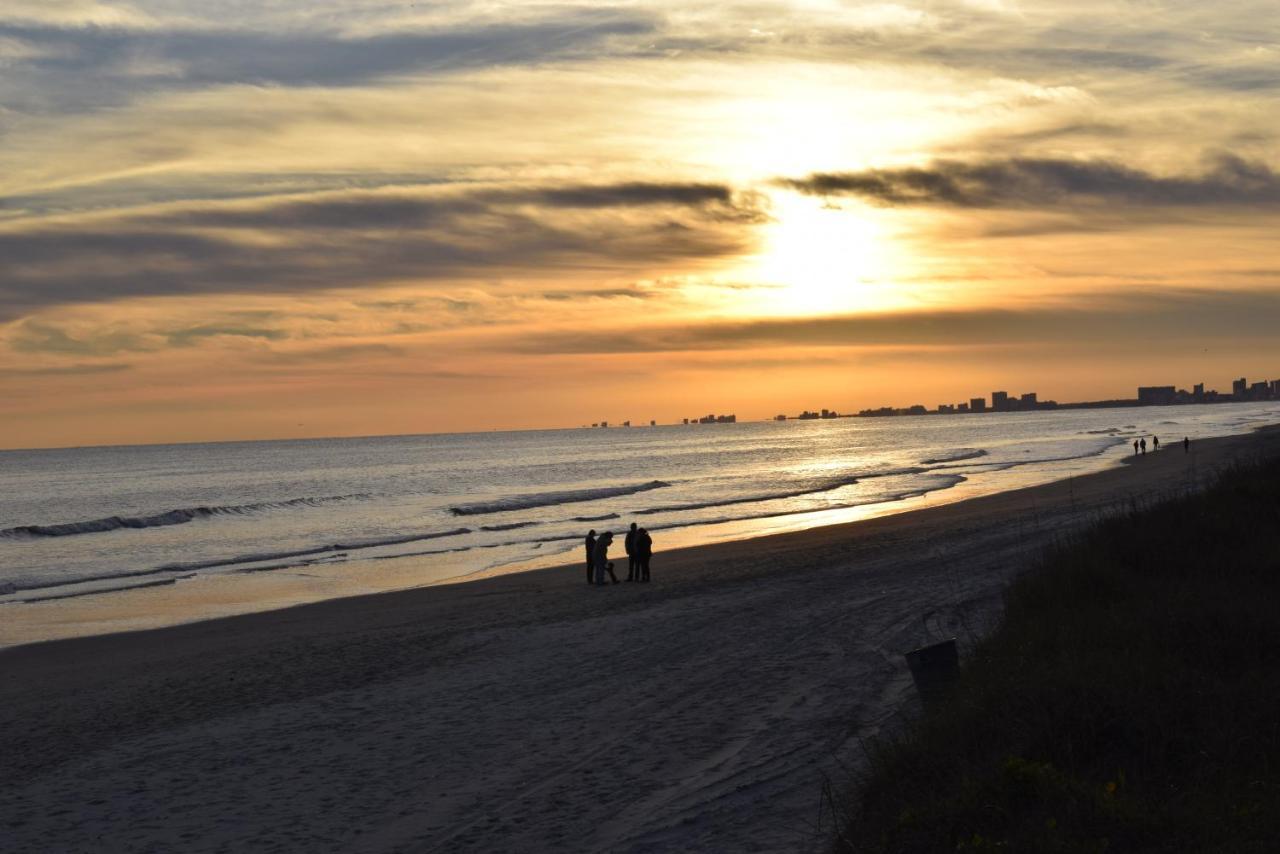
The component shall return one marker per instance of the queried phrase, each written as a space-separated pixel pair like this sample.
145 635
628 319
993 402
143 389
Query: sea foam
549 499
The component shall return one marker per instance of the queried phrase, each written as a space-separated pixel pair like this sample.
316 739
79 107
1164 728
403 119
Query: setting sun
820 258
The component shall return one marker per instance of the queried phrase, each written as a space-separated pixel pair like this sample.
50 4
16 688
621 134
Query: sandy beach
703 711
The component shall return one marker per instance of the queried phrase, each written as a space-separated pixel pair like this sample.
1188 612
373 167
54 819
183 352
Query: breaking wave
954 456
1005 465
179 516
310 555
97 591
811 488
549 499
353 545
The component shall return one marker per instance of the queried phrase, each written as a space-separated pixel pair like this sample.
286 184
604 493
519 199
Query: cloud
1228 181
79 67
191 335
358 211
35 337
79 369
152 333
1247 79
1137 315
337 353
77 13
718 200
1090 58
83 55
597 294
1057 132
358 240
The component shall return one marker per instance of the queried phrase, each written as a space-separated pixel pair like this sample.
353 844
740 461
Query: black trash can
934 668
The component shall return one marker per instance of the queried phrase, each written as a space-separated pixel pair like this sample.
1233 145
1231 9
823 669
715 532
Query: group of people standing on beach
1140 445
639 548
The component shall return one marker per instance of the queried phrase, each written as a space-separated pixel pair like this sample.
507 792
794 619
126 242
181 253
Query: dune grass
1130 702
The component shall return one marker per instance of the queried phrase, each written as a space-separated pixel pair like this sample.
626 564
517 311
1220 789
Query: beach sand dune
530 712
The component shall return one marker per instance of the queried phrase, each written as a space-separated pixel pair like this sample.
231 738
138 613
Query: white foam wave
179 516
549 499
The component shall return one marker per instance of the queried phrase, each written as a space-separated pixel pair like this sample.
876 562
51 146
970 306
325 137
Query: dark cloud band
99 58
360 239
358 211
1046 183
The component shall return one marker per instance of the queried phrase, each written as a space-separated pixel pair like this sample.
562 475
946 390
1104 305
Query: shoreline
899 513
703 710
198 596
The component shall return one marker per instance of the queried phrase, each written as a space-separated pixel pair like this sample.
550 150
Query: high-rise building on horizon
1157 395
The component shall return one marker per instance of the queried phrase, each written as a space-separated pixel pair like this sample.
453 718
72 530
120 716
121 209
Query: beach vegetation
1127 703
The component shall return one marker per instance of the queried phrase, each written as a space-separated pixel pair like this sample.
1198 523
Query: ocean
102 521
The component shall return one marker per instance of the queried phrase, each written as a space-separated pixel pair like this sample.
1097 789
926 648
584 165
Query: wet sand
703 711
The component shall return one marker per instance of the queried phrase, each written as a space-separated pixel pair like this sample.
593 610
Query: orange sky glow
224 221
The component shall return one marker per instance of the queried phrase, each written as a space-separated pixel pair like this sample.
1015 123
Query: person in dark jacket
591 558
629 546
644 551
601 558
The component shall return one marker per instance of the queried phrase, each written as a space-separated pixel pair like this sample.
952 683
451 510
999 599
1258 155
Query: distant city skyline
1248 391
1242 391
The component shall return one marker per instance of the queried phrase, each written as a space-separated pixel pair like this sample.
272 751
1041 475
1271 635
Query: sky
235 220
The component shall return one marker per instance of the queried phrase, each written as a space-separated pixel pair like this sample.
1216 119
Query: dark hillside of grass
1130 702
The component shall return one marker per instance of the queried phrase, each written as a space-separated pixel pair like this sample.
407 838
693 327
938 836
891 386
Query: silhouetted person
1135 447
1155 443
591 557
600 556
644 551
629 546
1186 444
1143 443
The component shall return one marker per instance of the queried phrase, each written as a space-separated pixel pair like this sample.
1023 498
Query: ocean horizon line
1065 408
